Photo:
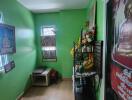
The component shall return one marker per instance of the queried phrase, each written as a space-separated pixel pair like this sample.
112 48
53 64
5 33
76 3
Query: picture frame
7 39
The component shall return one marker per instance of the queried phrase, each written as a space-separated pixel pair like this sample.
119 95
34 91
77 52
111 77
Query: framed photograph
7 39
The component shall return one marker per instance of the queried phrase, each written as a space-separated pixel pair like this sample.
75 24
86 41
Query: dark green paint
68 25
14 82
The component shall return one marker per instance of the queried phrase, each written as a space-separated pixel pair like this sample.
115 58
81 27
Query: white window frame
48 48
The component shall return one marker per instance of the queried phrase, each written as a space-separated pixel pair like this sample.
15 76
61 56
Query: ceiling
41 6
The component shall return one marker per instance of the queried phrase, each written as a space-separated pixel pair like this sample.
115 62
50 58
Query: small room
61 49
27 20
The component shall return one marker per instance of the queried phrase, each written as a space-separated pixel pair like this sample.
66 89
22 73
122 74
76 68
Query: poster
121 53
7 39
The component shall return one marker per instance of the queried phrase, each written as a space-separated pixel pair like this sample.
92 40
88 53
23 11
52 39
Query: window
48 42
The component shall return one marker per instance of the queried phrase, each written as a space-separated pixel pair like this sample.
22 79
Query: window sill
52 60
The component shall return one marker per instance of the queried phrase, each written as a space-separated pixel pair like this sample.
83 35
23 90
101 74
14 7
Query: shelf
84 71
85 74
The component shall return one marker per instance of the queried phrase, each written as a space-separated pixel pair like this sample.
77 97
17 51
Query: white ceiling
39 6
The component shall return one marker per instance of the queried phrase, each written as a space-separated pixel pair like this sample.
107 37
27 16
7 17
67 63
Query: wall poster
7 39
121 53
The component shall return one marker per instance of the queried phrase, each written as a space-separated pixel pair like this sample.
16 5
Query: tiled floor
59 91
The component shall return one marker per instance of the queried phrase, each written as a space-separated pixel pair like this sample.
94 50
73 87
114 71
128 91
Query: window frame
42 47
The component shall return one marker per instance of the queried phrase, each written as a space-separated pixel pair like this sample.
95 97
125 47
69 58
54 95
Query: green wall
14 82
101 20
101 26
101 30
68 25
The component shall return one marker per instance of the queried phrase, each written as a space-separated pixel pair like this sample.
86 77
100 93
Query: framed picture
119 34
7 39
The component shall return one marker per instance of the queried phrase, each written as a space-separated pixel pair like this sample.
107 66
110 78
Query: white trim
104 50
1 17
48 48
48 26
106 1
20 96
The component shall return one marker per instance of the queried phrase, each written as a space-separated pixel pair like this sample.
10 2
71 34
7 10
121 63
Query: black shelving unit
87 64
84 81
